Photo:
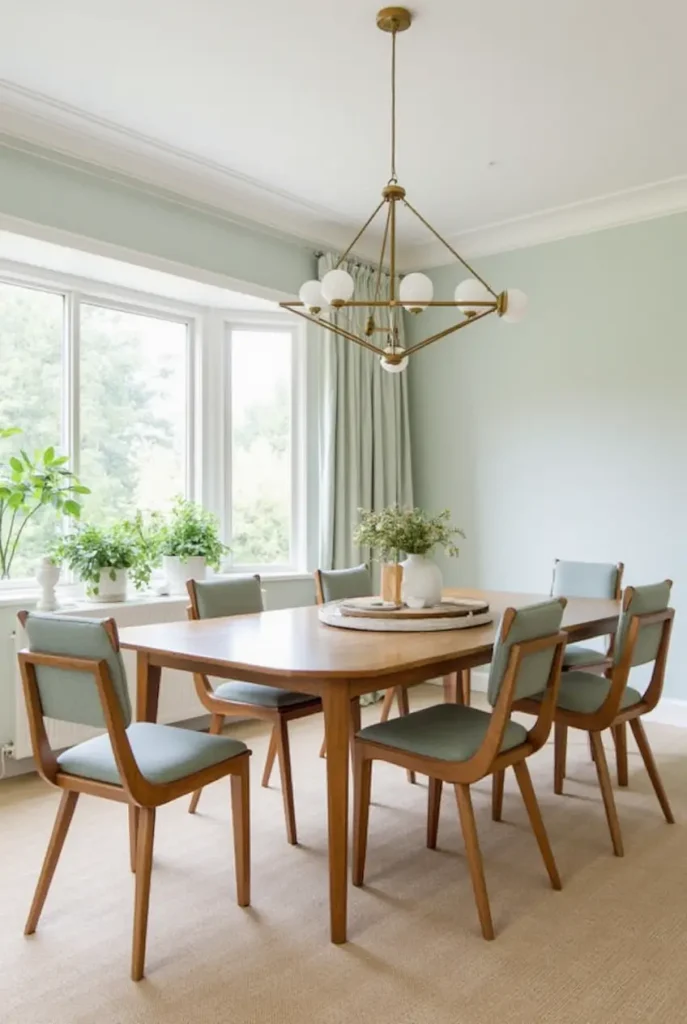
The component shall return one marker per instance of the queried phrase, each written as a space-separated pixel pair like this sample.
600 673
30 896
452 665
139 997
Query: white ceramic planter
110 589
422 582
47 575
178 570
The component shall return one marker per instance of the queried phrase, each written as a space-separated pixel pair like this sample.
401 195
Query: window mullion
71 429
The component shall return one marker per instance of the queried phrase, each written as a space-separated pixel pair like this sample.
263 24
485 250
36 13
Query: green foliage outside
394 530
30 486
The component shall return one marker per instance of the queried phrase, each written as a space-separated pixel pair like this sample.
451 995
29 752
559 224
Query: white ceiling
280 110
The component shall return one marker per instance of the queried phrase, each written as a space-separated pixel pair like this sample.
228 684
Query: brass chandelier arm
380 266
400 303
450 249
359 235
335 329
449 330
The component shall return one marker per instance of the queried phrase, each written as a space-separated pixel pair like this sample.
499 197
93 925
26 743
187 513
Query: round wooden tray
391 619
375 608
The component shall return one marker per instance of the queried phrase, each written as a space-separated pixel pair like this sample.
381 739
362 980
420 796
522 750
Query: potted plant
28 485
189 541
104 559
417 534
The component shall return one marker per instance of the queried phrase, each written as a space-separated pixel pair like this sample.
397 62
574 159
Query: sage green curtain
365 431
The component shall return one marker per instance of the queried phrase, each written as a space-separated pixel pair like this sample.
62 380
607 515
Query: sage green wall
565 435
37 187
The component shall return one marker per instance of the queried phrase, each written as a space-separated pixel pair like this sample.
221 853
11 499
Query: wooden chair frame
462 774
400 693
278 717
611 716
141 796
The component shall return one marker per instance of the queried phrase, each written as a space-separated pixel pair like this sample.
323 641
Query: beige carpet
610 948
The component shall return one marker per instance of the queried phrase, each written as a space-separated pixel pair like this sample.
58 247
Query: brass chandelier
474 299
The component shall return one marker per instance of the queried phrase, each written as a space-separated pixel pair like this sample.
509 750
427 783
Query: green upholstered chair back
585 579
340 584
644 600
73 696
530 623
239 595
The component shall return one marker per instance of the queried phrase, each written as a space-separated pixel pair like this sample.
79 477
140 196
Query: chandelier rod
449 247
393 179
362 231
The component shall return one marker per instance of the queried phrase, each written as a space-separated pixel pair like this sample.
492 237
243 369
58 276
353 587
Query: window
117 383
262 486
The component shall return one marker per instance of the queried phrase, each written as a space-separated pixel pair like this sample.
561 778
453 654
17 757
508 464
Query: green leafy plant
411 530
190 531
28 485
92 548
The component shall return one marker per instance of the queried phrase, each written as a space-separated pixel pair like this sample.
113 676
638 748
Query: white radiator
178 700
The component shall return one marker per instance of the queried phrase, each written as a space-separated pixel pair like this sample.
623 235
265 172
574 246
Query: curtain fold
365 430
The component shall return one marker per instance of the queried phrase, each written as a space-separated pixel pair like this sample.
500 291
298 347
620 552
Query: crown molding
660 199
67 134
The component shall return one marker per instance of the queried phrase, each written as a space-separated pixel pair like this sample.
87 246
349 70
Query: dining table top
294 643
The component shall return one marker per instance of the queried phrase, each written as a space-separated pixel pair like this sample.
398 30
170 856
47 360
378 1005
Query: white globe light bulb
416 289
516 306
311 296
393 367
469 291
337 286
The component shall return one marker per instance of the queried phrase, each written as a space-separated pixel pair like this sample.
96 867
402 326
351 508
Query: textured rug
610 948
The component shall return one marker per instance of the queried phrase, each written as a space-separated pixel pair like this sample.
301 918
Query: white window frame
266 321
208 449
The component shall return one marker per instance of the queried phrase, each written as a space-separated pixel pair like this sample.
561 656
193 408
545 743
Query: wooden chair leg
362 786
433 808
620 737
465 685
144 866
451 688
63 820
607 792
591 748
529 797
403 710
216 723
323 748
240 814
284 756
560 751
133 834
271 754
467 824
388 702
497 795
650 765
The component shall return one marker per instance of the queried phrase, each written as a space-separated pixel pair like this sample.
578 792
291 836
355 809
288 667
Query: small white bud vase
47 574
422 582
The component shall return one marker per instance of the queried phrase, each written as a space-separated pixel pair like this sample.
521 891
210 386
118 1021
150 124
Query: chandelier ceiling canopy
473 299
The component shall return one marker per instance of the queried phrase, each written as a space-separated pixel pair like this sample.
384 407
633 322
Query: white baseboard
668 712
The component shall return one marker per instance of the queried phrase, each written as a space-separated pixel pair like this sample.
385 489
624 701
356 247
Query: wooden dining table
293 650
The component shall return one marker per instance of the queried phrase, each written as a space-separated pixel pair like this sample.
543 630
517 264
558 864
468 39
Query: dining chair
601 580
73 671
595 703
242 595
458 744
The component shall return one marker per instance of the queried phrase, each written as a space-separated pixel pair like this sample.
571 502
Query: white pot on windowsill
177 570
111 587
422 582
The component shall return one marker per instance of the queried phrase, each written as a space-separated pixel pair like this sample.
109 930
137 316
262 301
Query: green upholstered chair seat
163 754
447 732
577 655
262 696
584 693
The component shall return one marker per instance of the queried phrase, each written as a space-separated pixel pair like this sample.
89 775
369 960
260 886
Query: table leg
147 688
355 723
451 688
338 715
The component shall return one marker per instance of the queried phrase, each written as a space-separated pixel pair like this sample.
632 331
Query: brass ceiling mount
394 19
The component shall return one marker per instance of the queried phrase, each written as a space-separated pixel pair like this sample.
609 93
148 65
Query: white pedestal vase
178 570
109 590
422 582
47 575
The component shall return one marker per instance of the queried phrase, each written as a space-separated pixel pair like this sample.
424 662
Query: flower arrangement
410 530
